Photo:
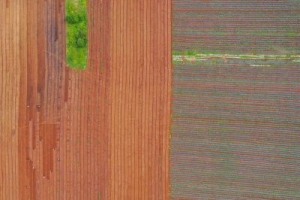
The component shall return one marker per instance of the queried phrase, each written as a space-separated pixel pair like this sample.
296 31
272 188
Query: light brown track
66 134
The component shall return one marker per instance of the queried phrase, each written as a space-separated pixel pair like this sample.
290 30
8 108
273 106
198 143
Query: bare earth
102 133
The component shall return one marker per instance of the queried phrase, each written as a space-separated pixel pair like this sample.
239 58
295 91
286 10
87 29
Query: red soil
102 133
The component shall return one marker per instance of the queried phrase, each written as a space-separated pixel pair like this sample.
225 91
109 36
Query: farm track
102 133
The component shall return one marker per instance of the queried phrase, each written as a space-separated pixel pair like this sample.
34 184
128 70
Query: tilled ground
102 133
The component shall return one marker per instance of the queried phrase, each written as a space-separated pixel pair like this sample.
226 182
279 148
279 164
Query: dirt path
102 133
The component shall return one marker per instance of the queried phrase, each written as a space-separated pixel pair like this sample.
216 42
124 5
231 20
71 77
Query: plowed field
101 133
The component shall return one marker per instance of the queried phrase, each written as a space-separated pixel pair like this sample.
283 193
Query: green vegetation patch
76 20
193 56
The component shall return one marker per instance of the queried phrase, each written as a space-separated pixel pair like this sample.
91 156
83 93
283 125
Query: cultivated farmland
101 133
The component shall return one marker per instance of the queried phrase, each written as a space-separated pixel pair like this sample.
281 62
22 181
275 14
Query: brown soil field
102 133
